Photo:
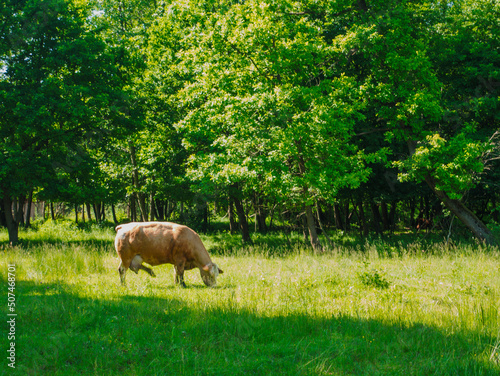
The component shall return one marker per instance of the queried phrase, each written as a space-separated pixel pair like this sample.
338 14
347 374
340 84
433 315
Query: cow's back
159 243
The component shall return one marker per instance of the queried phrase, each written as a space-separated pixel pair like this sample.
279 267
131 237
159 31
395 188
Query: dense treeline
366 113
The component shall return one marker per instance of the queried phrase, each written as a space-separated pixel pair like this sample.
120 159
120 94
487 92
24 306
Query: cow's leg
147 270
122 270
179 273
136 264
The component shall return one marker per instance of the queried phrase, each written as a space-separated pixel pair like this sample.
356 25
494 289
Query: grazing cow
159 243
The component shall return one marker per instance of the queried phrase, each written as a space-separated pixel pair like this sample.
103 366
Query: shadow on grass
59 332
97 245
55 233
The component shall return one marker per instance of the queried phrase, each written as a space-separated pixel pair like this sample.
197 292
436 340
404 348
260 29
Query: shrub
373 278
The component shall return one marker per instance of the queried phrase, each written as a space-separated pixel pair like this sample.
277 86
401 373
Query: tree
152 159
272 112
395 56
61 87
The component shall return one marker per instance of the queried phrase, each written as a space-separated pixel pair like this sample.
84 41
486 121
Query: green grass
388 307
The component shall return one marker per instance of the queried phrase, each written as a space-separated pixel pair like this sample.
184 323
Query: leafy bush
374 278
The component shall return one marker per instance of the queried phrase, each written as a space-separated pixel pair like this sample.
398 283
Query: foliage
276 104
277 115
373 278
456 163
63 95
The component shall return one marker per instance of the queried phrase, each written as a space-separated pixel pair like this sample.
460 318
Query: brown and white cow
159 243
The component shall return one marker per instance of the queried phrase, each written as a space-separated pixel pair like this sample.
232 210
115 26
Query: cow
159 243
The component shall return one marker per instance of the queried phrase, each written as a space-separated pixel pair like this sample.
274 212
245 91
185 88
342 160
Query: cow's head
209 274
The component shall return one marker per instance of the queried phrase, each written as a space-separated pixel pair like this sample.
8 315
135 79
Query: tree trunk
135 179
385 216
152 206
113 211
413 208
313 234
242 219
3 222
427 207
159 210
13 210
271 216
260 215
132 209
330 215
205 217
171 206
467 217
377 219
338 217
347 216
99 212
302 221
495 215
89 215
43 209
392 215
96 212
363 224
142 206
330 243
27 222
12 224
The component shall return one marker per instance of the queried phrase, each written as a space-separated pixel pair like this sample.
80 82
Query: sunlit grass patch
283 312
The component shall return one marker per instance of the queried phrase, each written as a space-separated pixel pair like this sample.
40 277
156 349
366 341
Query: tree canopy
312 107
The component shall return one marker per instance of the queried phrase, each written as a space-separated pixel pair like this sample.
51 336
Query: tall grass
366 308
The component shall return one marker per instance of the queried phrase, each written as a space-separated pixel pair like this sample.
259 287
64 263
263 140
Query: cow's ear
207 267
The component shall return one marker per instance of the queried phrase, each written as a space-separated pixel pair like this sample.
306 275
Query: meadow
394 306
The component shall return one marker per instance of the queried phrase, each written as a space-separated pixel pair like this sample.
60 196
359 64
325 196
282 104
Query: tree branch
371 131
251 60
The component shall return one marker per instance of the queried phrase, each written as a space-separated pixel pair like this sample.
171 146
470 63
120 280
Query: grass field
376 308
